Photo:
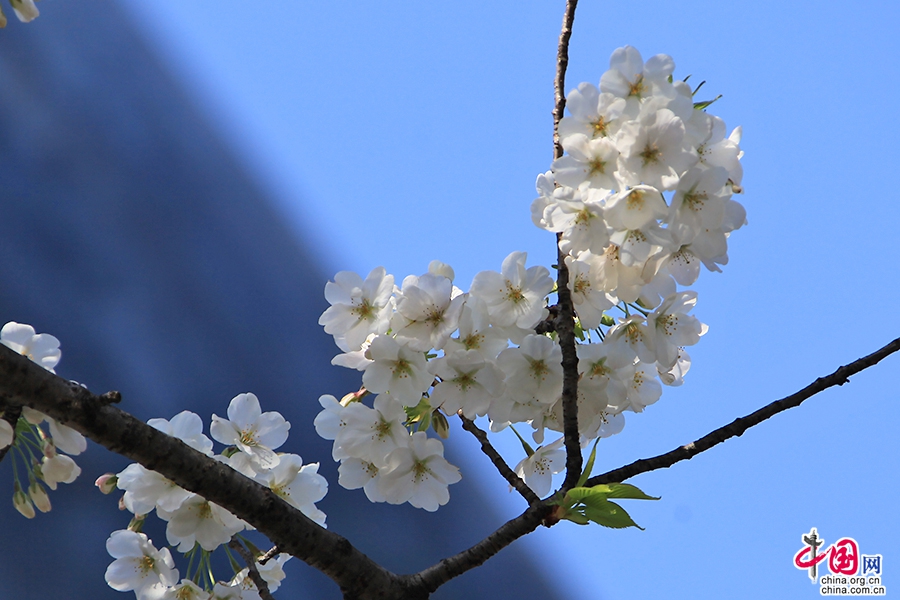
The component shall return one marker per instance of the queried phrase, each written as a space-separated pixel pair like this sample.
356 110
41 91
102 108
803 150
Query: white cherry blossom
671 327
397 369
201 521
515 296
426 314
299 485
138 565
468 382
187 427
59 468
538 469
252 431
6 434
41 348
418 474
358 307
593 114
372 433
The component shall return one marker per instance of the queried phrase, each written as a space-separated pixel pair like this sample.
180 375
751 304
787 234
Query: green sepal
607 321
420 415
235 565
705 103
525 445
253 548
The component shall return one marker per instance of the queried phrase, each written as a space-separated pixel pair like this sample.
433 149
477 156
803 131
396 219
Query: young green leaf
589 466
610 514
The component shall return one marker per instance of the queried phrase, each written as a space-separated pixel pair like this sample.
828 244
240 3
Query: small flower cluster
642 197
29 440
151 574
196 525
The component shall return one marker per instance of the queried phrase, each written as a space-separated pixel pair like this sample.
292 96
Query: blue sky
397 134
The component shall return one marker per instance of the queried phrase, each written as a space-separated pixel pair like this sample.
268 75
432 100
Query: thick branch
739 426
25 383
565 325
508 474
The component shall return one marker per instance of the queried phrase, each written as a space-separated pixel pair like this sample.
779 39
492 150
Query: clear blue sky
394 134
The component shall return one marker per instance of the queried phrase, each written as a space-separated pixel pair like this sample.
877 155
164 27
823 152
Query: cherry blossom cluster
644 191
33 446
196 526
641 198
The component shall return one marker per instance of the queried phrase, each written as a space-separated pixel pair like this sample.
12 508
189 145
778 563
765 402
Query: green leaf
582 494
589 466
623 490
610 514
576 517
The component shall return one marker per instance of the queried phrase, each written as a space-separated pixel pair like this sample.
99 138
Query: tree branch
508 474
562 63
261 586
565 325
435 576
739 426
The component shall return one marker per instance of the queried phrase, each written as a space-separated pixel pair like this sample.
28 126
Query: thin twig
261 586
508 474
269 555
739 426
562 63
565 325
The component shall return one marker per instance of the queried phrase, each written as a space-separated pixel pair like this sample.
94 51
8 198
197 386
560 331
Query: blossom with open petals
138 565
254 432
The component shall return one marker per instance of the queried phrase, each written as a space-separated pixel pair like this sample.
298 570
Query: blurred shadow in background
132 234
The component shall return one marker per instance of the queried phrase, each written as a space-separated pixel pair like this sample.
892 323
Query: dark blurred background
130 231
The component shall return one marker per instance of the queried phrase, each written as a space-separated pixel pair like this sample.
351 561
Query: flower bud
137 523
439 424
39 496
22 503
25 10
48 448
436 267
107 483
